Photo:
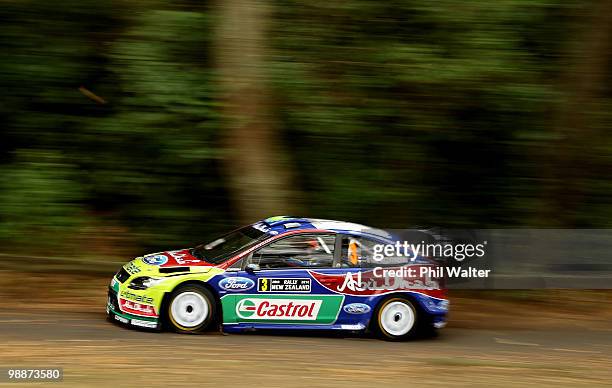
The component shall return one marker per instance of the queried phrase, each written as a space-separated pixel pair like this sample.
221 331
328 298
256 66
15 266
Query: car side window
356 251
360 252
299 251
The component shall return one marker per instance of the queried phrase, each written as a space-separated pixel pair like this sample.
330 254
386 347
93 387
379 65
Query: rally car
281 273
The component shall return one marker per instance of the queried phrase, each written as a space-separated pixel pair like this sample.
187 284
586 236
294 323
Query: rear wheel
191 309
397 319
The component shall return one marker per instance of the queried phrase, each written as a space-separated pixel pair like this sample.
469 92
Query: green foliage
157 149
39 201
146 159
425 112
395 113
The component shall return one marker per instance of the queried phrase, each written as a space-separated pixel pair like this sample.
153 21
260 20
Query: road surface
94 352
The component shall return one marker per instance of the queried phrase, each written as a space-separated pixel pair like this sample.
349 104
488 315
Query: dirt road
558 339
94 352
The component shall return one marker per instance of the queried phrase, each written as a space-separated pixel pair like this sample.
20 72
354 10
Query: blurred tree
153 161
148 158
256 165
387 113
574 161
404 113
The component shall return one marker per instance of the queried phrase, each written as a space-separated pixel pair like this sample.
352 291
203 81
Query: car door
284 292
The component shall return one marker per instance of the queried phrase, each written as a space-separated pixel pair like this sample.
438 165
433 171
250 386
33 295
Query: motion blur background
134 126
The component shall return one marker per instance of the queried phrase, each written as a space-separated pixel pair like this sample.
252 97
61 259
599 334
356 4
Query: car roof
283 224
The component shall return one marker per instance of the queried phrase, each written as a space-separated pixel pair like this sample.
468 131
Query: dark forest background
142 125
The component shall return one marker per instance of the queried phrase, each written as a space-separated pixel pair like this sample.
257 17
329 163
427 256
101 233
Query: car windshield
221 249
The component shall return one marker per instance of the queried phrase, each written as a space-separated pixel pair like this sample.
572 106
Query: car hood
173 259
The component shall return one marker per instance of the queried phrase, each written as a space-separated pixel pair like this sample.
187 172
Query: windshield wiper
213 244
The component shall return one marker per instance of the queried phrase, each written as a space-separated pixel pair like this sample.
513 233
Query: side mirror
251 268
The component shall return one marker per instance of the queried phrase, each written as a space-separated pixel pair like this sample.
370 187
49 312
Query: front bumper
115 314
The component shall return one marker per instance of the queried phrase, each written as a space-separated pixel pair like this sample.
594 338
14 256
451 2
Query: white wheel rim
397 318
189 309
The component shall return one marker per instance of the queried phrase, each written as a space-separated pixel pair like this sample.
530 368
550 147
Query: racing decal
284 285
137 298
236 284
261 227
176 258
302 310
114 284
358 326
319 309
121 319
357 308
379 281
183 258
131 268
276 218
155 259
141 323
134 308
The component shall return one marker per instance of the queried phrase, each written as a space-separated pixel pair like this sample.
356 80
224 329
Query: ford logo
155 259
356 308
236 284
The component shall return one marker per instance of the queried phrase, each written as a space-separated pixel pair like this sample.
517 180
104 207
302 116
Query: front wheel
397 319
191 309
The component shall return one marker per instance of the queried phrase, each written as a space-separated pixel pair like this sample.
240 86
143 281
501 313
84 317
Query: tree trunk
255 165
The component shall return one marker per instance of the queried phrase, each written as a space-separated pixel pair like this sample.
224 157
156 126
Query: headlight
144 282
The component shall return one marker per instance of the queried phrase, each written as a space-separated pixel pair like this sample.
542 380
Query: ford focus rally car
281 273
